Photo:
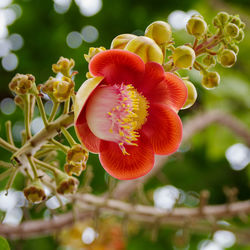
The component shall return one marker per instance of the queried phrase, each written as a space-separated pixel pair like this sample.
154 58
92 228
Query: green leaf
4 245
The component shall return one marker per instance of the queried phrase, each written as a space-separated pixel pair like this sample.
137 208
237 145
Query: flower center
116 113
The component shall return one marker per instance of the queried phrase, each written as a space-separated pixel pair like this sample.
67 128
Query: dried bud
19 101
223 17
231 30
209 60
92 52
77 154
146 48
74 168
184 57
192 94
196 26
227 58
21 84
62 90
35 192
66 184
121 41
160 32
64 65
240 36
210 80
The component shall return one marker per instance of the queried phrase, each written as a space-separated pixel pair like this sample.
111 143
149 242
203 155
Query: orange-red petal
163 128
117 66
125 167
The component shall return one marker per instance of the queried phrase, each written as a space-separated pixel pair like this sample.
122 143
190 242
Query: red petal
117 66
91 142
164 128
125 167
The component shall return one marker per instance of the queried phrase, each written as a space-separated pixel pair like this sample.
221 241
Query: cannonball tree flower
127 112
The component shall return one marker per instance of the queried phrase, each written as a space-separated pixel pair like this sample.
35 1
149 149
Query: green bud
223 17
210 80
183 57
236 20
240 36
192 94
216 22
196 26
242 25
232 30
160 32
209 60
227 58
234 48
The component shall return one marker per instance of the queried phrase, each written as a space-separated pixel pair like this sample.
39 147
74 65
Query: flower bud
48 86
232 30
196 26
160 32
77 154
121 41
184 57
21 84
66 184
74 168
209 60
240 36
35 192
192 94
62 90
234 48
210 80
64 65
223 17
236 20
92 52
146 48
19 101
227 58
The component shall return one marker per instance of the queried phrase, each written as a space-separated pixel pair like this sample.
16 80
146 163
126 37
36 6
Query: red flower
128 112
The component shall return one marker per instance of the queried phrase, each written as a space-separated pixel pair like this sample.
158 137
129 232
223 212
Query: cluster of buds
76 160
63 66
22 84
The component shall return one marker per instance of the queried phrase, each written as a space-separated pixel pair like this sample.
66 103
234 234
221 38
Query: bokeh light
61 6
89 33
74 39
16 41
36 125
8 106
18 127
224 238
89 7
10 62
88 235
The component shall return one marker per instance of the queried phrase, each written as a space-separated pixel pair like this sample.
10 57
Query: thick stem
5 164
5 174
33 167
7 146
27 112
54 110
68 136
66 106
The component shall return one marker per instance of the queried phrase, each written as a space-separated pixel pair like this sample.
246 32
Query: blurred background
34 34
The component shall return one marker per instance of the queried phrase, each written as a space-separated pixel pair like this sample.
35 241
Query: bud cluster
64 66
22 84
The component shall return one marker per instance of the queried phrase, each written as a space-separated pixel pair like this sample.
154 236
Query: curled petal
164 129
125 167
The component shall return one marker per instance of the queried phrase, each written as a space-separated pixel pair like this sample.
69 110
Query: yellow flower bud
64 65
231 30
75 168
92 52
160 32
240 36
227 58
21 84
192 94
209 60
196 26
48 86
35 192
184 57
223 17
146 48
121 41
77 154
66 184
210 80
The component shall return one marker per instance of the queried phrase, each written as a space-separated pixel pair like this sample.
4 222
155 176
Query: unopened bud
236 20
223 17
73 168
240 36
66 184
35 192
21 84
19 101
210 80
209 60
77 154
146 48
92 52
234 48
232 30
184 57
196 26
160 32
227 58
121 41
192 94
48 86
64 65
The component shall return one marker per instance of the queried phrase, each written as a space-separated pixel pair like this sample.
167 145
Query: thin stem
5 174
9 133
60 145
27 115
5 164
13 174
32 106
42 152
68 136
46 166
28 174
7 146
33 166
66 106
41 109
54 110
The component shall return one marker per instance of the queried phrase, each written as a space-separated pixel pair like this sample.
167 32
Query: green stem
60 145
13 174
54 110
42 152
198 66
28 174
5 164
5 174
27 115
32 106
41 110
9 133
33 166
7 146
68 136
46 166
66 106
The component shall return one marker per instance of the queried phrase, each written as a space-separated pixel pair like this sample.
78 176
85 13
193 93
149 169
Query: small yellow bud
146 48
192 94
121 41
160 32
64 65
184 57
92 52
48 86
21 84
35 192
77 154
66 184
223 17
240 36
196 26
227 58
231 30
210 80
209 60
75 168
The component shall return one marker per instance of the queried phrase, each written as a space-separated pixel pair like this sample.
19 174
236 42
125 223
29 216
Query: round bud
231 30
210 80
22 84
62 90
146 48
223 17
242 25
184 57
63 65
209 60
240 36
92 52
234 48
35 192
160 32
196 26
192 94
121 41
74 168
236 20
77 154
227 58
66 184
